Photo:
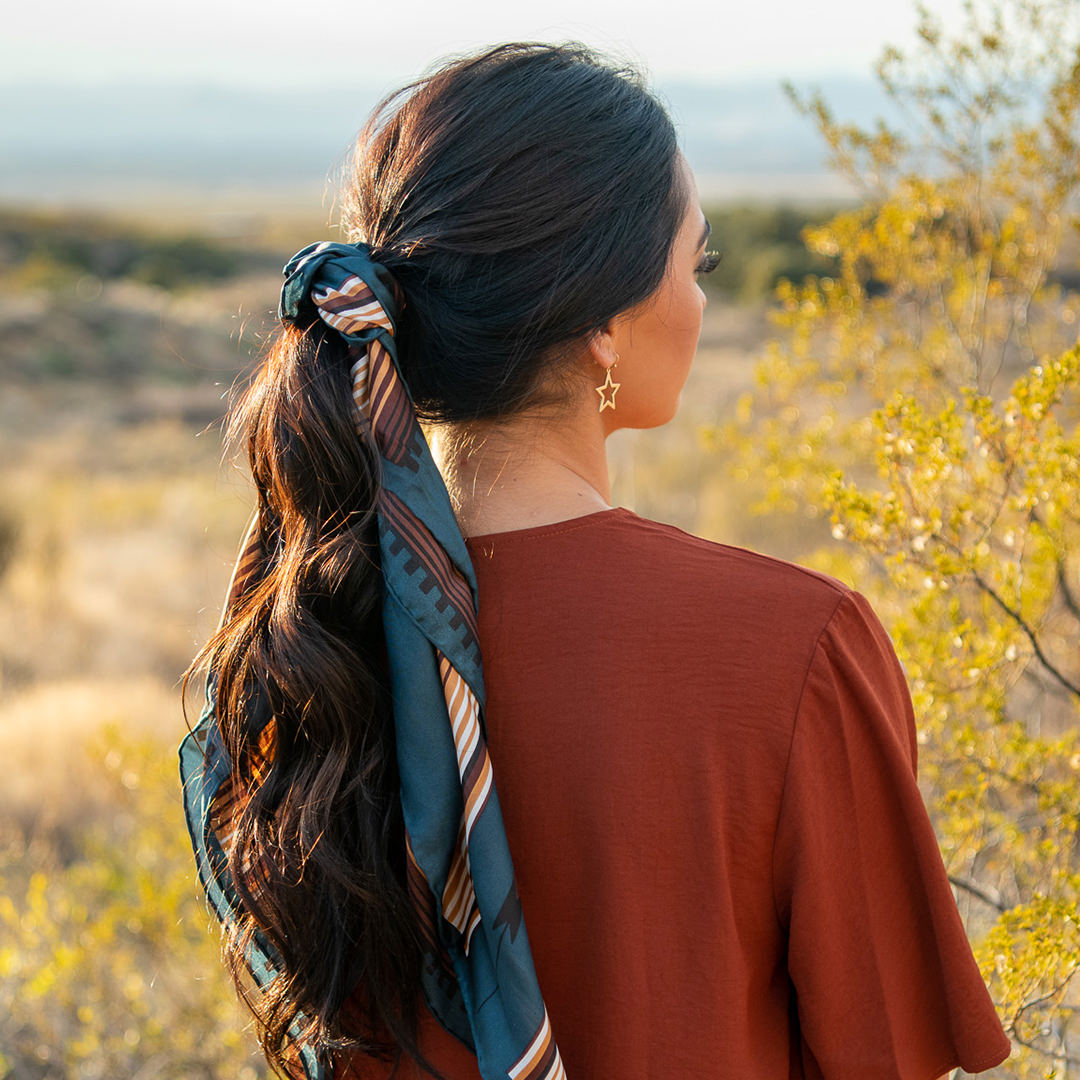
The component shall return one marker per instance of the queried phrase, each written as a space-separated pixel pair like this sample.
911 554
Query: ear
601 347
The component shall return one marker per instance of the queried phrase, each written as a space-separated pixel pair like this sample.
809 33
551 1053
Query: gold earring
607 390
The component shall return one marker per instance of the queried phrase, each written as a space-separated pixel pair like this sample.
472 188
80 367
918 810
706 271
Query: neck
522 472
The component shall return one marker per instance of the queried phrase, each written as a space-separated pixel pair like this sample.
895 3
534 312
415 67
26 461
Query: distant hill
108 145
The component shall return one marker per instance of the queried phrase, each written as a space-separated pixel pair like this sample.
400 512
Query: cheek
685 325
673 338
685 330
679 325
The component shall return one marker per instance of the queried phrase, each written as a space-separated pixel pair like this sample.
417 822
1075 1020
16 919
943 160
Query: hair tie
358 297
477 974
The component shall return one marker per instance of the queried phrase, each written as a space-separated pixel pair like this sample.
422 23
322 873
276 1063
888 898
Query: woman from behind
705 853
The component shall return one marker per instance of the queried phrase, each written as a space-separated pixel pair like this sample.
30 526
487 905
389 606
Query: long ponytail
520 198
315 854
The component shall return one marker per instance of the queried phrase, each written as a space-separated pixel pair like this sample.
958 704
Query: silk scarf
477 976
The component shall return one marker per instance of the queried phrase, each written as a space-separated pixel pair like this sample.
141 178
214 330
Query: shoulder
681 599
792 640
737 577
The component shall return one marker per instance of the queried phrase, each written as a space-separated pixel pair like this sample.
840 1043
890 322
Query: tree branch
1028 632
1065 1059
1066 593
978 893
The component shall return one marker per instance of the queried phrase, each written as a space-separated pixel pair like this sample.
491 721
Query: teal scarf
477 977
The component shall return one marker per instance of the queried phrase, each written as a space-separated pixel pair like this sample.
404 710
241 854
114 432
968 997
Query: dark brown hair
522 198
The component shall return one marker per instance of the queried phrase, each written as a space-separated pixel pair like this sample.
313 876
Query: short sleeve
884 978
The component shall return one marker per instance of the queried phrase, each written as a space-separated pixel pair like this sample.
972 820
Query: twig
1028 632
979 893
1066 593
1059 1056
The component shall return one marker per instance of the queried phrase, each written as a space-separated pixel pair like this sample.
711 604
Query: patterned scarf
477 977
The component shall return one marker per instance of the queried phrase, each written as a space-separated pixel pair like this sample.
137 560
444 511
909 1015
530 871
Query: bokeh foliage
925 396
109 962
40 248
760 244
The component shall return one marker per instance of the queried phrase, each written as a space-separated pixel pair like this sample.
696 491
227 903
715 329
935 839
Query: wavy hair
522 197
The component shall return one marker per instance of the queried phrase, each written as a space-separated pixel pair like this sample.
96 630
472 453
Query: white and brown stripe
350 308
459 907
474 762
541 1059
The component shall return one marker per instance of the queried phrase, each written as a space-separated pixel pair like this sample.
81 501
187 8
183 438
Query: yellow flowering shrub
925 398
109 957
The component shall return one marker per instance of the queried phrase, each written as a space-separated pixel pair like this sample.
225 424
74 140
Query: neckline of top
531 531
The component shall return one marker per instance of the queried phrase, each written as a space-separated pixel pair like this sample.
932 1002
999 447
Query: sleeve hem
980 1064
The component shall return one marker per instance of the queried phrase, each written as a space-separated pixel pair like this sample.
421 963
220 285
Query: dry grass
121 521
45 732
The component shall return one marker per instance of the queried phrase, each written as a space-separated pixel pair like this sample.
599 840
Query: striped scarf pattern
477 977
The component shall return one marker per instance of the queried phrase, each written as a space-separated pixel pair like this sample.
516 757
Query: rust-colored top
706 761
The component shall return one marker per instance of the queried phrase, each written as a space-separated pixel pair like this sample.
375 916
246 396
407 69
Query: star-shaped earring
607 390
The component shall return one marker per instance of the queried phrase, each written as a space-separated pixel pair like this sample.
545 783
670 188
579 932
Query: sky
188 97
261 43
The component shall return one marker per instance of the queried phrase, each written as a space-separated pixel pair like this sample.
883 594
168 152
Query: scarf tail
204 779
477 974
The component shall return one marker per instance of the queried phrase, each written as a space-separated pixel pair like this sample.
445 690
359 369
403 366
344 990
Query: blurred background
160 164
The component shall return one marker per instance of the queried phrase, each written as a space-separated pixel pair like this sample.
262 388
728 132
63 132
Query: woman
721 865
